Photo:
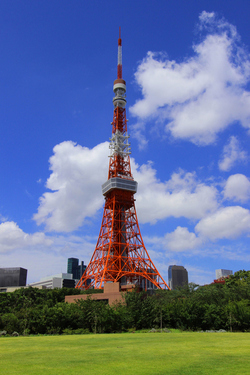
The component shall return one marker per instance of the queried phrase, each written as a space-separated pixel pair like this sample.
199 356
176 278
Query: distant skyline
187 69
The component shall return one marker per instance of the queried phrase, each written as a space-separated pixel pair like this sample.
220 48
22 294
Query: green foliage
216 306
10 323
239 278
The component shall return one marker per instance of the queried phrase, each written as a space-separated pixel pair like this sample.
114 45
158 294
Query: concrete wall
111 292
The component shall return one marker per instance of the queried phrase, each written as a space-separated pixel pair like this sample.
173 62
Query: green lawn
125 354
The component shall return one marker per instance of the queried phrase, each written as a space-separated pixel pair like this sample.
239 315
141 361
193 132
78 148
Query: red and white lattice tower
120 254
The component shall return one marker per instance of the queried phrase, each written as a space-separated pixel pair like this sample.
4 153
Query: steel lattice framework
120 254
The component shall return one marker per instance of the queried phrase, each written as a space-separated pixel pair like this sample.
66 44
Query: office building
61 280
14 276
177 276
222 273
75 268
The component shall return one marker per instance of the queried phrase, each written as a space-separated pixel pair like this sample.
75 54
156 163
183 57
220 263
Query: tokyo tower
120 254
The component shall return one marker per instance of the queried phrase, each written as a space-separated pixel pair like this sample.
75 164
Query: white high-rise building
222 273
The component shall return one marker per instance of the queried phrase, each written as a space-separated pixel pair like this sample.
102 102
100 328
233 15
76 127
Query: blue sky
187 69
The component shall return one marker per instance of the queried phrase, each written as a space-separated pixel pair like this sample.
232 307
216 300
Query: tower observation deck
120 254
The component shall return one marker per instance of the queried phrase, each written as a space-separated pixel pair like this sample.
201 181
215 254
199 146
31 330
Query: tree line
192 307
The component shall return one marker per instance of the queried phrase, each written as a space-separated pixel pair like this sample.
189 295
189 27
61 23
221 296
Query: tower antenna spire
119 65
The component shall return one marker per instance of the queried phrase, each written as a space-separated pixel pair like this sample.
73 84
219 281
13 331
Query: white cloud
182 240
232 154
201 96
210 22
13 238
237 188
206 17
227 222
76 179
181 196
77 175
2 218
137 132
43 257
199 275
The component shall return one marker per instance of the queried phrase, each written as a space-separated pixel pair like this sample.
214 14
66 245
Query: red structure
120 254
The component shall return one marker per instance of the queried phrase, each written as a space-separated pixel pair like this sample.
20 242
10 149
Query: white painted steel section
119 55
119 144
119 85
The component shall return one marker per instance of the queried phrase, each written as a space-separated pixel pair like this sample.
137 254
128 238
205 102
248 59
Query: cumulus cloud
237 188
2 218
12 238
232 154
227 222
138 133
182 240
75 183
183 195
206 18
42 256
201 96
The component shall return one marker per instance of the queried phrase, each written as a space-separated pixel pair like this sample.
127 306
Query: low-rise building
61 280
112 292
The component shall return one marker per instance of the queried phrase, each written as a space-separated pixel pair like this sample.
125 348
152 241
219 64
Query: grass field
125 354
